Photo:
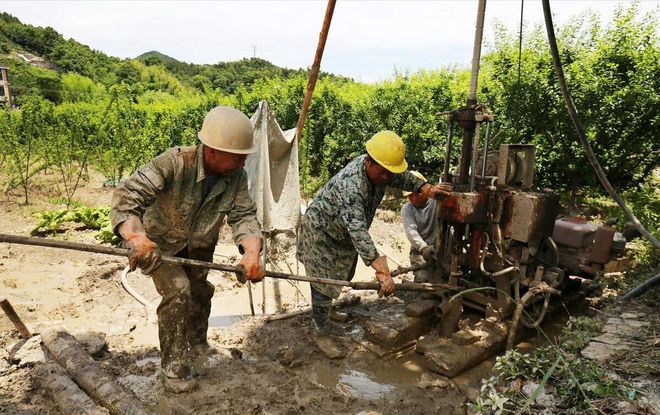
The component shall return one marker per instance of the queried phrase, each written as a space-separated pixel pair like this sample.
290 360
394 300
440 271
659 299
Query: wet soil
271 367
278 369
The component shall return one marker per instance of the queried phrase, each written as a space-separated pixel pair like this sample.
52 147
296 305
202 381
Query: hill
151 71
225 76
155 58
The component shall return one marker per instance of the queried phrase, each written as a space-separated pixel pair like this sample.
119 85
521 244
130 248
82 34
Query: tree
78 88
27 133
612 73
70 147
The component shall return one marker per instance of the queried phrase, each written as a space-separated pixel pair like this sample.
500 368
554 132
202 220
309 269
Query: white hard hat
228 129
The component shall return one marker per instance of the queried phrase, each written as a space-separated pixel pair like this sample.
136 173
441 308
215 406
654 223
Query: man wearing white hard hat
174 205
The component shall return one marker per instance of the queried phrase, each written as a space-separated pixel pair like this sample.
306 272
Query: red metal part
475 248
530 216
602 244
465 207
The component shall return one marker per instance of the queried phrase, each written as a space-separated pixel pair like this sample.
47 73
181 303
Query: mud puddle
373 382
226 320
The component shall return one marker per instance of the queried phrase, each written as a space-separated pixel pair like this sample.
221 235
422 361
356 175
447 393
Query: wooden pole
87 373
316 66
265 263
99 249
15 319
343 302
249 287
68 397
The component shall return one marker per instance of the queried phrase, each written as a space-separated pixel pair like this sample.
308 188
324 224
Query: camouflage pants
313 269
183 313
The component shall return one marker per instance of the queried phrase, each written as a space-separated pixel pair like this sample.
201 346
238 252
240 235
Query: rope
129 289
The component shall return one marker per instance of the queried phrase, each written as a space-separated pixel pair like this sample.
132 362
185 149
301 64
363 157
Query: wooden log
15 319
68 397
343 302
89 376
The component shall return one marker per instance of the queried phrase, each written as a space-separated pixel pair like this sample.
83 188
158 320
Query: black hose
570 105
641 289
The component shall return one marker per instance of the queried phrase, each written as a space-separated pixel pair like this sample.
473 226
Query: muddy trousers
183 313
321 301
320 309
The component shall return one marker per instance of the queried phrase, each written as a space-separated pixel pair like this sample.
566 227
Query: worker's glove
253 269
143 252
383 276
435 191
428 252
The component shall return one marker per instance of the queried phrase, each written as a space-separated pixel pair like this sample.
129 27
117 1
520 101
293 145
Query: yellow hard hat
418 175
388 150
228 129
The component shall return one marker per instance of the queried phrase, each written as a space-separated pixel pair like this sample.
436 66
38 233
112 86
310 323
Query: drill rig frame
494 230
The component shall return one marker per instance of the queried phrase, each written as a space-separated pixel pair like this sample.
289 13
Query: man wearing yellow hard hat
175 204
419 224
335 228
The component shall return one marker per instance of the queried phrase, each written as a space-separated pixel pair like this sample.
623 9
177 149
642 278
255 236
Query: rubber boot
323 328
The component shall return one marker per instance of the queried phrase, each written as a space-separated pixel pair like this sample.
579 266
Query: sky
368 40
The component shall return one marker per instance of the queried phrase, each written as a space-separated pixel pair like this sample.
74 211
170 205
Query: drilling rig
499 239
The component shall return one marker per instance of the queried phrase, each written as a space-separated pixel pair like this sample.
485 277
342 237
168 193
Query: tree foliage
612 74
117 114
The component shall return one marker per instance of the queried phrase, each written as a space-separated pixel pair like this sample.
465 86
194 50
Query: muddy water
375 381
372 382
362 381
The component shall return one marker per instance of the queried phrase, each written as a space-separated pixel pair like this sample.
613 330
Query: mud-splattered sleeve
134 195
243 216
407 181
352 211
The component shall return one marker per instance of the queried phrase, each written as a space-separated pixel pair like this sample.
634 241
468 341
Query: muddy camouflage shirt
335 228
168 195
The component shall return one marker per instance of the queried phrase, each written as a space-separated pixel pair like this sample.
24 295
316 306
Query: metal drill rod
485 157
450 136
316 66
476 52
99 249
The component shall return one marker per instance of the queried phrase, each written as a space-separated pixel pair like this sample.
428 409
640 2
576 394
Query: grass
577 385
580 385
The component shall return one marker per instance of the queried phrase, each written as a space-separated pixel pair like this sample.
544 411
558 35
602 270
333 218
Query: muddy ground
270 367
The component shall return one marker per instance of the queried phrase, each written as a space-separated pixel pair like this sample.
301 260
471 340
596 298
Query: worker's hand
428 252
251 261
383 276
143 252
432 191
